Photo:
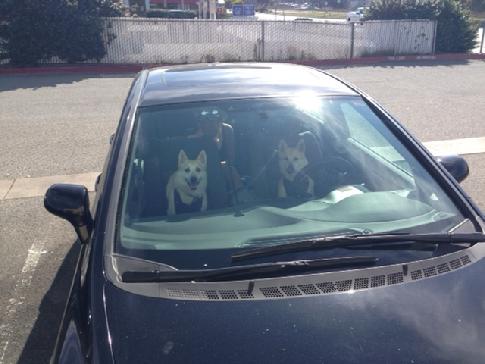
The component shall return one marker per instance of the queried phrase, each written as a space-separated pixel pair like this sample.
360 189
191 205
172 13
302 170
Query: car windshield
208 178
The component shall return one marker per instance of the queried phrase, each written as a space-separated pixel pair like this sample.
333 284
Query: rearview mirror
71 202
456 166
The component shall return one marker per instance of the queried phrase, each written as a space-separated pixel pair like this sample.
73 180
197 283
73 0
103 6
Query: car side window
362 132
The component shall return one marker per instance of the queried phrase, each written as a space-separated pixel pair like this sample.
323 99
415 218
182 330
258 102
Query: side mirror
456 166
71 202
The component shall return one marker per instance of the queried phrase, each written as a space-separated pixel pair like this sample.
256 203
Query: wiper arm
247 271
330 242
416 246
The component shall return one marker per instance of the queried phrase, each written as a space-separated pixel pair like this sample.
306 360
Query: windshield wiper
330 242
263 270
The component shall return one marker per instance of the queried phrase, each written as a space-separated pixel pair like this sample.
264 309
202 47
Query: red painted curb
133 68
80 68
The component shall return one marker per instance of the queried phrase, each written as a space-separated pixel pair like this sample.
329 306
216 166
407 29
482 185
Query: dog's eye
187 170
295 159
197 169
286 158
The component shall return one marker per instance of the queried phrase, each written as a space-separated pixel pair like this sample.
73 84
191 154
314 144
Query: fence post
483 36
262 41
352 39
435 27
395 29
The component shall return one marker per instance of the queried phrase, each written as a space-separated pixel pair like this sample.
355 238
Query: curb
81 68
134 68
386 59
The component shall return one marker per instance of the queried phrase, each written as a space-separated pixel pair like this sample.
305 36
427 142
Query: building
174 4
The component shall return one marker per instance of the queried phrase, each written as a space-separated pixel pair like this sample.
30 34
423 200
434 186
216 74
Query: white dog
189 181
292 161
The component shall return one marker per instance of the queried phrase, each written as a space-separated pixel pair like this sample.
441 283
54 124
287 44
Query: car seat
265 164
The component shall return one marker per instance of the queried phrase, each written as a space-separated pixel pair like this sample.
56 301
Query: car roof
203 82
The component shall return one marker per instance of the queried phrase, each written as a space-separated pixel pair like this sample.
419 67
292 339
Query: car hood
439 319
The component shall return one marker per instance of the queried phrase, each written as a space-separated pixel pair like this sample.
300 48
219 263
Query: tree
37 30
455 32
31 30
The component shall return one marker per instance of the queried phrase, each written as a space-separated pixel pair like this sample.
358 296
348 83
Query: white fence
143 40
394 37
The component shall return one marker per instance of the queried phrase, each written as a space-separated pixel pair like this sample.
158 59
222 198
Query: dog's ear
202 158
282 146
182 157
300 146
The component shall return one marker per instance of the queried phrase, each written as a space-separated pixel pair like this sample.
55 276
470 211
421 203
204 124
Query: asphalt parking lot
57 125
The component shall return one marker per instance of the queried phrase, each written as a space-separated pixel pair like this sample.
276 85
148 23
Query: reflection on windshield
216 175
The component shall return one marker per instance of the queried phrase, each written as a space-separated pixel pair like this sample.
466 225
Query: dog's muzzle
193 182
290 169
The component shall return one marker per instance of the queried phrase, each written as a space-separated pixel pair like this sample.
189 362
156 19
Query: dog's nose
193 179
290 169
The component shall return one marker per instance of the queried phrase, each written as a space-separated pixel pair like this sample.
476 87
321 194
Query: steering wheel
335 168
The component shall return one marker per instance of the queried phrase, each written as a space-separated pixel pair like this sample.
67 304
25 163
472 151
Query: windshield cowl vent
317 284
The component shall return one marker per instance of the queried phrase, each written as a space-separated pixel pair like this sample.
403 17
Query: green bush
109 8
28 39
84 41
37 30
405 9
455 31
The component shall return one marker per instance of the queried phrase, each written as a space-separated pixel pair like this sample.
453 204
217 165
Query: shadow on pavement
40 343
36 81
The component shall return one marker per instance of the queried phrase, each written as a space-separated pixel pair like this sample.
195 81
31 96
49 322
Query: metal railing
148 40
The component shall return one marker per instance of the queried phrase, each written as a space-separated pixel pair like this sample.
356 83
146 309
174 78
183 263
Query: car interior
253 144
355 186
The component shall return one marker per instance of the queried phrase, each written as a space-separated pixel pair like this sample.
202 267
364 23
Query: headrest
167 151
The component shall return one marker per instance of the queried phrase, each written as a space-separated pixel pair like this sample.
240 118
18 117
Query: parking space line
18 295
457 146
34 187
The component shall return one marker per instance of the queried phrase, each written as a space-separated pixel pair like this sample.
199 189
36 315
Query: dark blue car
270 214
